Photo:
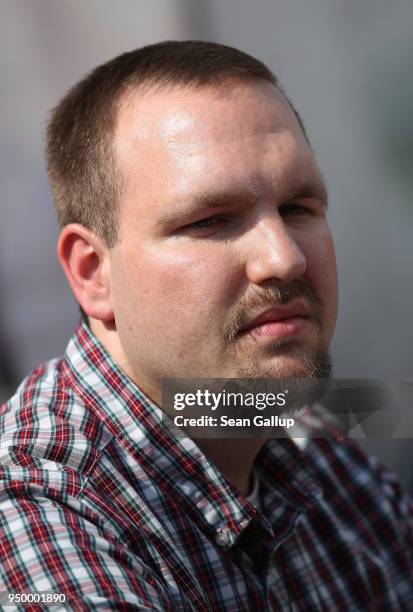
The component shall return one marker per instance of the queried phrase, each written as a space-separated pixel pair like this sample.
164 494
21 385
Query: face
225 264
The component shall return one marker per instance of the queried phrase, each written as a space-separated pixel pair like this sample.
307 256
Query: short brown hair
81 165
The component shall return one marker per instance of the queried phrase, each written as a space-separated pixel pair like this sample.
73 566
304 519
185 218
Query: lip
279 320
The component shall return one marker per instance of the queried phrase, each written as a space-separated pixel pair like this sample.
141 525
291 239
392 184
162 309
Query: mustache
280 293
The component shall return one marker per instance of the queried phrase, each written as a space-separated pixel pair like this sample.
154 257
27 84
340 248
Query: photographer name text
224 421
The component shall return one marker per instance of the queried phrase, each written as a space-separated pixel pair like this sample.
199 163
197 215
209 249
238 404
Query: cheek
322 271
321 257
177 283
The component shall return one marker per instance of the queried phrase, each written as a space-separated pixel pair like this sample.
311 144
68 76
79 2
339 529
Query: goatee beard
307 379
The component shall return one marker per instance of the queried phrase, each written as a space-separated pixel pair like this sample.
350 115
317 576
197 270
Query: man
195 239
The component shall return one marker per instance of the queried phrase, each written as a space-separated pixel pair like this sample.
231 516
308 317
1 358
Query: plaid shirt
100 502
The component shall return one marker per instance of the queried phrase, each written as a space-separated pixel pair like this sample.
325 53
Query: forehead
172 143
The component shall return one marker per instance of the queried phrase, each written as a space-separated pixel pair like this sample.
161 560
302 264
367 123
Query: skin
223 203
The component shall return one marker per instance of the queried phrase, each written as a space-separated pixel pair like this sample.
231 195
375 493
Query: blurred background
347 66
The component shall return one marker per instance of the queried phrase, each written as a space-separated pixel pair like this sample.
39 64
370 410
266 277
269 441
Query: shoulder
60 529
359 482
339 459
46 423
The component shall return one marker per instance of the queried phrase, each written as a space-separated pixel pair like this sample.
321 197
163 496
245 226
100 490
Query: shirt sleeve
400 505
51 547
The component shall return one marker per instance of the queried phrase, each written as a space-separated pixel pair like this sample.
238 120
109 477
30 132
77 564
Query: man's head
193 217
85 178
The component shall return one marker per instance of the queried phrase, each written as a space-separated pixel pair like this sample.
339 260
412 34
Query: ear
85 261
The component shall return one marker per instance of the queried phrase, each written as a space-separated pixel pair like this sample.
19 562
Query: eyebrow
204 201
309 188
303 188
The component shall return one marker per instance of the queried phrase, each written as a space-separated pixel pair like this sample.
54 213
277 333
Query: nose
273 252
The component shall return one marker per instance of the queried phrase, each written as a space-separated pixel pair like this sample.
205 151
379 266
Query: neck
107 334
234 457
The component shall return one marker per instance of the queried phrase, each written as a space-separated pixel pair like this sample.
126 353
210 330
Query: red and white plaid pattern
99 501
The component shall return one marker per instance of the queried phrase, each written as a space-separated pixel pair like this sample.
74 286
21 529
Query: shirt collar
177 464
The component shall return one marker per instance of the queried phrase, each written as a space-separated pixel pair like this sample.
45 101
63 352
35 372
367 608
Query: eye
207 223
294 210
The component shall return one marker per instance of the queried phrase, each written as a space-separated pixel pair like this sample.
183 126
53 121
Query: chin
306 376
297 364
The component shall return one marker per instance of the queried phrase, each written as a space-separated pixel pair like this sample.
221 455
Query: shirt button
314 490
222 537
